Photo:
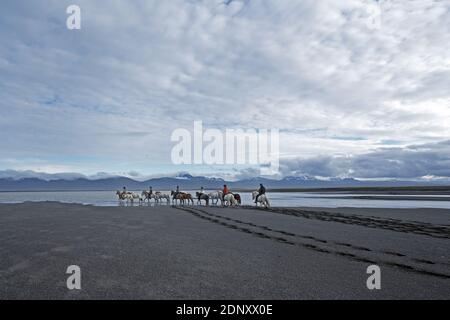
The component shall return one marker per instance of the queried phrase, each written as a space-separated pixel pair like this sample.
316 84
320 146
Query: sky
357 88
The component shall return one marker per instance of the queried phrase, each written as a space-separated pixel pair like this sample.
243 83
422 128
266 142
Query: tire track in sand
422 228
315 244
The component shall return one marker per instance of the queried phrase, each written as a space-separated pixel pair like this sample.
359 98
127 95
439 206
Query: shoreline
243 206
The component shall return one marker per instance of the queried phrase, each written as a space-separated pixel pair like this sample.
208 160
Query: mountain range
187 181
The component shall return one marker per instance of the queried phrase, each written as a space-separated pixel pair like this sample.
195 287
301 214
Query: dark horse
202 196
182 196
237 196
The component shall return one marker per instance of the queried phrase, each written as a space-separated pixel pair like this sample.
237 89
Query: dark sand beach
222 253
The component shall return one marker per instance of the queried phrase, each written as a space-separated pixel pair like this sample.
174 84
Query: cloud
17 175
415 162
107 97
412 162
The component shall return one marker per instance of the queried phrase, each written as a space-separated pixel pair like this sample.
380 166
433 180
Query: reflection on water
282 199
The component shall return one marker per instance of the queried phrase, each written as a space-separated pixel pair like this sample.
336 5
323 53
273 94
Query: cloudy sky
353 92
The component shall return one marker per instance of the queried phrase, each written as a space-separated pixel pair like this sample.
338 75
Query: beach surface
200 252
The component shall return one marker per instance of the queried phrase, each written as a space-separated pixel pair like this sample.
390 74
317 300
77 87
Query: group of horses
182 198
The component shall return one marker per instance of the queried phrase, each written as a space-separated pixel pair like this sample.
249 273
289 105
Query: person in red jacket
225 191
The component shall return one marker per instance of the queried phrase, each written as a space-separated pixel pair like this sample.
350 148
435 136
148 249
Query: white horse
215 197
158 196
121 195
162 196
129 196
229 200
148 196
133 196
262 199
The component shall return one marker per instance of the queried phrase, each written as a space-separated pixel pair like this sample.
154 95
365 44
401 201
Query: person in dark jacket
261 191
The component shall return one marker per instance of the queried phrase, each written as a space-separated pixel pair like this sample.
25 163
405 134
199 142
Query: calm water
282 199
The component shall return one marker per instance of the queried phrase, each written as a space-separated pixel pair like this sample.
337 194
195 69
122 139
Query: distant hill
186 181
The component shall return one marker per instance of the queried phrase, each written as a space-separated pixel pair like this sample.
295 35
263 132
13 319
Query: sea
277 199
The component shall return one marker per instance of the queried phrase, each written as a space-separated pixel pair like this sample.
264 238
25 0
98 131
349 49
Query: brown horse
188 197
182 196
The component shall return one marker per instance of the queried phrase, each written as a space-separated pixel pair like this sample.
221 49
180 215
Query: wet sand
411 190
222 253
387 197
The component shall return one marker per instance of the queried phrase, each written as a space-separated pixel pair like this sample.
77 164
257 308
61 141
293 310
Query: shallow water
281 199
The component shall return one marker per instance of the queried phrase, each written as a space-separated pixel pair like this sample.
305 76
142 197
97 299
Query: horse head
237 196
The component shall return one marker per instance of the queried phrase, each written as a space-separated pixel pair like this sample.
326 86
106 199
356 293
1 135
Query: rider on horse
200 192
225 191
201 195
261 191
